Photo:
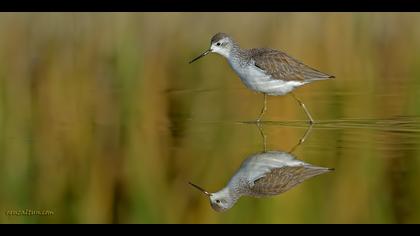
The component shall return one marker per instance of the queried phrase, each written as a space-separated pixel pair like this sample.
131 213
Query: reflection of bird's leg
263 136
311 121
263 109
302 140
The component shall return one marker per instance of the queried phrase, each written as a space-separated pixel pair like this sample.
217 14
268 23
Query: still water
374 160
103 120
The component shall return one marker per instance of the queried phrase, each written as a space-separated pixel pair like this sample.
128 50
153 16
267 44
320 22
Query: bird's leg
302 140
311 121
263 136
263 109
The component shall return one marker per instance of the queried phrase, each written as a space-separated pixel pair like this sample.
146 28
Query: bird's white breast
255 79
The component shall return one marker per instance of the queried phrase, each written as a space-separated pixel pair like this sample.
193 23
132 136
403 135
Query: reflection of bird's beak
202 55
201 189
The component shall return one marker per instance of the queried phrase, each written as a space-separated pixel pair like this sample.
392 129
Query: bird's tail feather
313 74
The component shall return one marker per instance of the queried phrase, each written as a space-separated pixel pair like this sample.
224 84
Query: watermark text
29 212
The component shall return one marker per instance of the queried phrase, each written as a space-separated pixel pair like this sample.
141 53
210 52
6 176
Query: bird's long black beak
201 189
202 55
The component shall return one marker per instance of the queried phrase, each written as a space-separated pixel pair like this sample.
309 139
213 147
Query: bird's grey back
281 66
271 173
259 164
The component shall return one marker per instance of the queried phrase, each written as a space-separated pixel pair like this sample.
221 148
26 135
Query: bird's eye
217 44
217 201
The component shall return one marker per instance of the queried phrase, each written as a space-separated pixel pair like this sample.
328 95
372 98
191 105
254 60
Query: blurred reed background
103 120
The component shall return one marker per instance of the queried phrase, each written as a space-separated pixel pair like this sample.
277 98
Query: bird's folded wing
280 180
284 67
260 164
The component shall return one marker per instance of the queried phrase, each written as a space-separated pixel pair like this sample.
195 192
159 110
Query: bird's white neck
229 194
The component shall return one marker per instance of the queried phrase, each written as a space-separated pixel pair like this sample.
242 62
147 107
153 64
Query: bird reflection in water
264 174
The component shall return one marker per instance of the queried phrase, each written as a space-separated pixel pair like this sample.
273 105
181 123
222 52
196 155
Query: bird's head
219 201
220 43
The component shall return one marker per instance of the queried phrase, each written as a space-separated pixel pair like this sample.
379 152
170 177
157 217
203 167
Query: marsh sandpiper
264 70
